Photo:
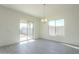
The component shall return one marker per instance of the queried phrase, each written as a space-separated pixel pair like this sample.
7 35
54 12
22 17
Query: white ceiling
37 9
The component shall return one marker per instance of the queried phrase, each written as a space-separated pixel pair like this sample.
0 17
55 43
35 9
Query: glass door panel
23 31
30 31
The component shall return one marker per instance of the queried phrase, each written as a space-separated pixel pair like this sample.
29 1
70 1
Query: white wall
9 25
71 17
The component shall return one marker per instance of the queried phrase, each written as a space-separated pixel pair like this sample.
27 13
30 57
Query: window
52 27
56 27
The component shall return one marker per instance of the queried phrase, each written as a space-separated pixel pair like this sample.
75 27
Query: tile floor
39 46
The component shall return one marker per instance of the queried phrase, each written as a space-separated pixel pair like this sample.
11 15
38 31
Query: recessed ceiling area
37 9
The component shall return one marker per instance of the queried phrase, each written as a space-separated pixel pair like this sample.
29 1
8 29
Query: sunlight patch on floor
72 46
23 37
28 41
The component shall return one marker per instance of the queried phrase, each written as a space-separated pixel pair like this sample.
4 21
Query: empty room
39 29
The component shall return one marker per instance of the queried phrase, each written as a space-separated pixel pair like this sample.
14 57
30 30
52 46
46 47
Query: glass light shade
42 20
45 19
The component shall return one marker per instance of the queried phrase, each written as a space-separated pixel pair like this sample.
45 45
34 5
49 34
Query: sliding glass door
26 31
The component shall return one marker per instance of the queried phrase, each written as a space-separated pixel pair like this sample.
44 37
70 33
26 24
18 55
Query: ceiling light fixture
44 19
